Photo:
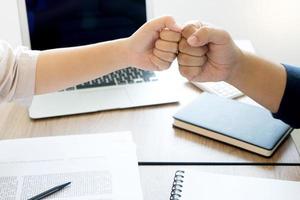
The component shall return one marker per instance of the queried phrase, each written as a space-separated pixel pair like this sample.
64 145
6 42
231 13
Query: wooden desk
152 130
256 20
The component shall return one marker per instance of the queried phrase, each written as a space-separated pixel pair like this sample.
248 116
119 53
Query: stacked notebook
246 126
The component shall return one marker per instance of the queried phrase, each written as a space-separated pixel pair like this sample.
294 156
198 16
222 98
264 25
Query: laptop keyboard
129 75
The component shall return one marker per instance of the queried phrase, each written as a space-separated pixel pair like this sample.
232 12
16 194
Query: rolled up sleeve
17 72
289 110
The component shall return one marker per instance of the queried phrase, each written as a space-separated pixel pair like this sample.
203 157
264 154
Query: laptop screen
66 23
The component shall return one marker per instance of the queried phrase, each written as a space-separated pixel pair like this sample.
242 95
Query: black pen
49 192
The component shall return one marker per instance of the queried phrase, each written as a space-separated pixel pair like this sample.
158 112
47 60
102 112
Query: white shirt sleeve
17 72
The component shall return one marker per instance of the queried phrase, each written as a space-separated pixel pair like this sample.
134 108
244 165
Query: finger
160 23
160 64
166 46
206 34
170 36
191 73
163 55
193 61
185 48
189 30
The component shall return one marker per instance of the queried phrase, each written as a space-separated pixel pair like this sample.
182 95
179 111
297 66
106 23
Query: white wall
9 22
272 25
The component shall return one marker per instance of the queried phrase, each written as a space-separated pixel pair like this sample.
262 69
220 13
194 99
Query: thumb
160 23
205 35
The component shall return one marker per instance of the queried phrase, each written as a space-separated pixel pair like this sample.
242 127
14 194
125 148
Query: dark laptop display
65 23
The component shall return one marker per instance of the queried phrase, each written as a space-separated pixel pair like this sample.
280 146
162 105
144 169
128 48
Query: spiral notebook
196 185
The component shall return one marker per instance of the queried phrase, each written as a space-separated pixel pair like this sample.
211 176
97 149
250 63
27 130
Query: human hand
154 46
207 53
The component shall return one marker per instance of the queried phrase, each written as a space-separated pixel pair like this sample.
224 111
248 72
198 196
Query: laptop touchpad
107 98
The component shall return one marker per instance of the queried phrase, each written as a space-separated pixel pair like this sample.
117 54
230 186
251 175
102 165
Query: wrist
123 49
133 53
115 52
238 69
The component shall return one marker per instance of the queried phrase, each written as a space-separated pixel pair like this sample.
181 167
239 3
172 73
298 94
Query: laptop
47 24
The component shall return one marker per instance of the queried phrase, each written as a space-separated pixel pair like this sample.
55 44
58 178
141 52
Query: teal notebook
246 126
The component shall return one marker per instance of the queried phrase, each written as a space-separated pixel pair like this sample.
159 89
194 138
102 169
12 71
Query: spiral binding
177 185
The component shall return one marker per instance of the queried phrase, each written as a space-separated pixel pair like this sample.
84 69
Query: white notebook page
208 186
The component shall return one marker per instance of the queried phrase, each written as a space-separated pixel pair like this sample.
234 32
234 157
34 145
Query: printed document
99 167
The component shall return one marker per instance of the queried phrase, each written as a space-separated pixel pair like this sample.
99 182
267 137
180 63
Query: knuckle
170 36
156 52
158 43
172 57
186 72
204 49
168 57
180 58
183 71
161 64
189 26
163 33
204 32
166 46
205 29
176 36
182 45
172 47
188 30
226 36
201 51
164 66
184 59
175 45
168 17
203 60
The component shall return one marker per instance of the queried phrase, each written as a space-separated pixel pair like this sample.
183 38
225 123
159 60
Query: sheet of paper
100 166
208 186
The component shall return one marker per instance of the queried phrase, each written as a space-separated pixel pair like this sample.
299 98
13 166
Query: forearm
260 79
61 68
